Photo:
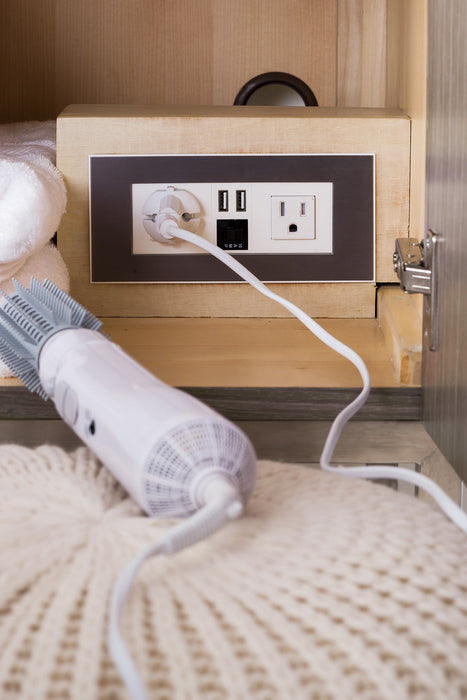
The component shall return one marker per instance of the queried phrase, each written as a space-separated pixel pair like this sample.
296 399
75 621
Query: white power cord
226 506
223 503
169 228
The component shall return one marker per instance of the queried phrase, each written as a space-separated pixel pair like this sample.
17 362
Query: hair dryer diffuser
168 449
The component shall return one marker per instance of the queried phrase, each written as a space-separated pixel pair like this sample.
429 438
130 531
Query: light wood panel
113 129
252 352
361 53
413 100
145 51
244 352
400 319
394 49
57 52
368 53
297 36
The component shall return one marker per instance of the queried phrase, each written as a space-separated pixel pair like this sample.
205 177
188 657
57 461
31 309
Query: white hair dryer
171 452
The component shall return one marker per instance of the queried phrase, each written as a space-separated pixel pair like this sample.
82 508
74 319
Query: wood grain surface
85 130
57 52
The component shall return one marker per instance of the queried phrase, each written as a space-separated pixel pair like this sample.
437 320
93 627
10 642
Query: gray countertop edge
255 403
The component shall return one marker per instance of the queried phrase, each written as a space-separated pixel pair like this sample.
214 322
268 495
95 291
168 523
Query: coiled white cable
169 229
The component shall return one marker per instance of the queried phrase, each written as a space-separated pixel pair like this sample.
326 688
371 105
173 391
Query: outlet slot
241 200
223 200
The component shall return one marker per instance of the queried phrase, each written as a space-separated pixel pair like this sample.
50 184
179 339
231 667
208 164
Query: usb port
241 200
223 200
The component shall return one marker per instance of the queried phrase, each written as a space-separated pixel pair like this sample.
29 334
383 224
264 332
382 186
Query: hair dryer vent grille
185 450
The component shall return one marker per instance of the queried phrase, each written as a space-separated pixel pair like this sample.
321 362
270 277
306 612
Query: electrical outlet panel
288 218
251 217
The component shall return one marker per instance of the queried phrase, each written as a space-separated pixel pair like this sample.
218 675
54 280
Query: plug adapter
170 204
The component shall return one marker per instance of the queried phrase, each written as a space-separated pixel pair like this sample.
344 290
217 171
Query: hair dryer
171 452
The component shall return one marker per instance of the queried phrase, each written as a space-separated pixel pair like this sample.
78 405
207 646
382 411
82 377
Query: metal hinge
409 265
416 266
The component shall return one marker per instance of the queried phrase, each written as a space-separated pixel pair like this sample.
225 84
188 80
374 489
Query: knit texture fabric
327 588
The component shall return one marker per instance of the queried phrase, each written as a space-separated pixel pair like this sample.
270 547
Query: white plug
178 207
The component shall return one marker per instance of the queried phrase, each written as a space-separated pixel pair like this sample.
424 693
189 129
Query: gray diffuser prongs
28 317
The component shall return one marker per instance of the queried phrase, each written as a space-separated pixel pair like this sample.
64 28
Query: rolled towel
46 262
32 192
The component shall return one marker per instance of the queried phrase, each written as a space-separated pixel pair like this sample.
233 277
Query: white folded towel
32 192
46 262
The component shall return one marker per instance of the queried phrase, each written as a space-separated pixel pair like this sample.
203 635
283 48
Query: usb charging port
241 200
223 200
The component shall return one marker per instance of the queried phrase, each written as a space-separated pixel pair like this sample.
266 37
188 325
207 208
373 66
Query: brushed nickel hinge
416 264
410 268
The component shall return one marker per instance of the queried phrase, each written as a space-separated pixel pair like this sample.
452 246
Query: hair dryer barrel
155 439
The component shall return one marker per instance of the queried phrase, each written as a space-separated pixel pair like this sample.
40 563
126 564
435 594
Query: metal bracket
416 266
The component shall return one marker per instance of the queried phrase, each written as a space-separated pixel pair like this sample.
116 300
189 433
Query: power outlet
293 217
325 231
251 217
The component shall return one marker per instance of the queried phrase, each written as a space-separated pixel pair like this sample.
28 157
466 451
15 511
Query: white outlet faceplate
283 217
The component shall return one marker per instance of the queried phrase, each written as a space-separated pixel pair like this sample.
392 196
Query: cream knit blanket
328 588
